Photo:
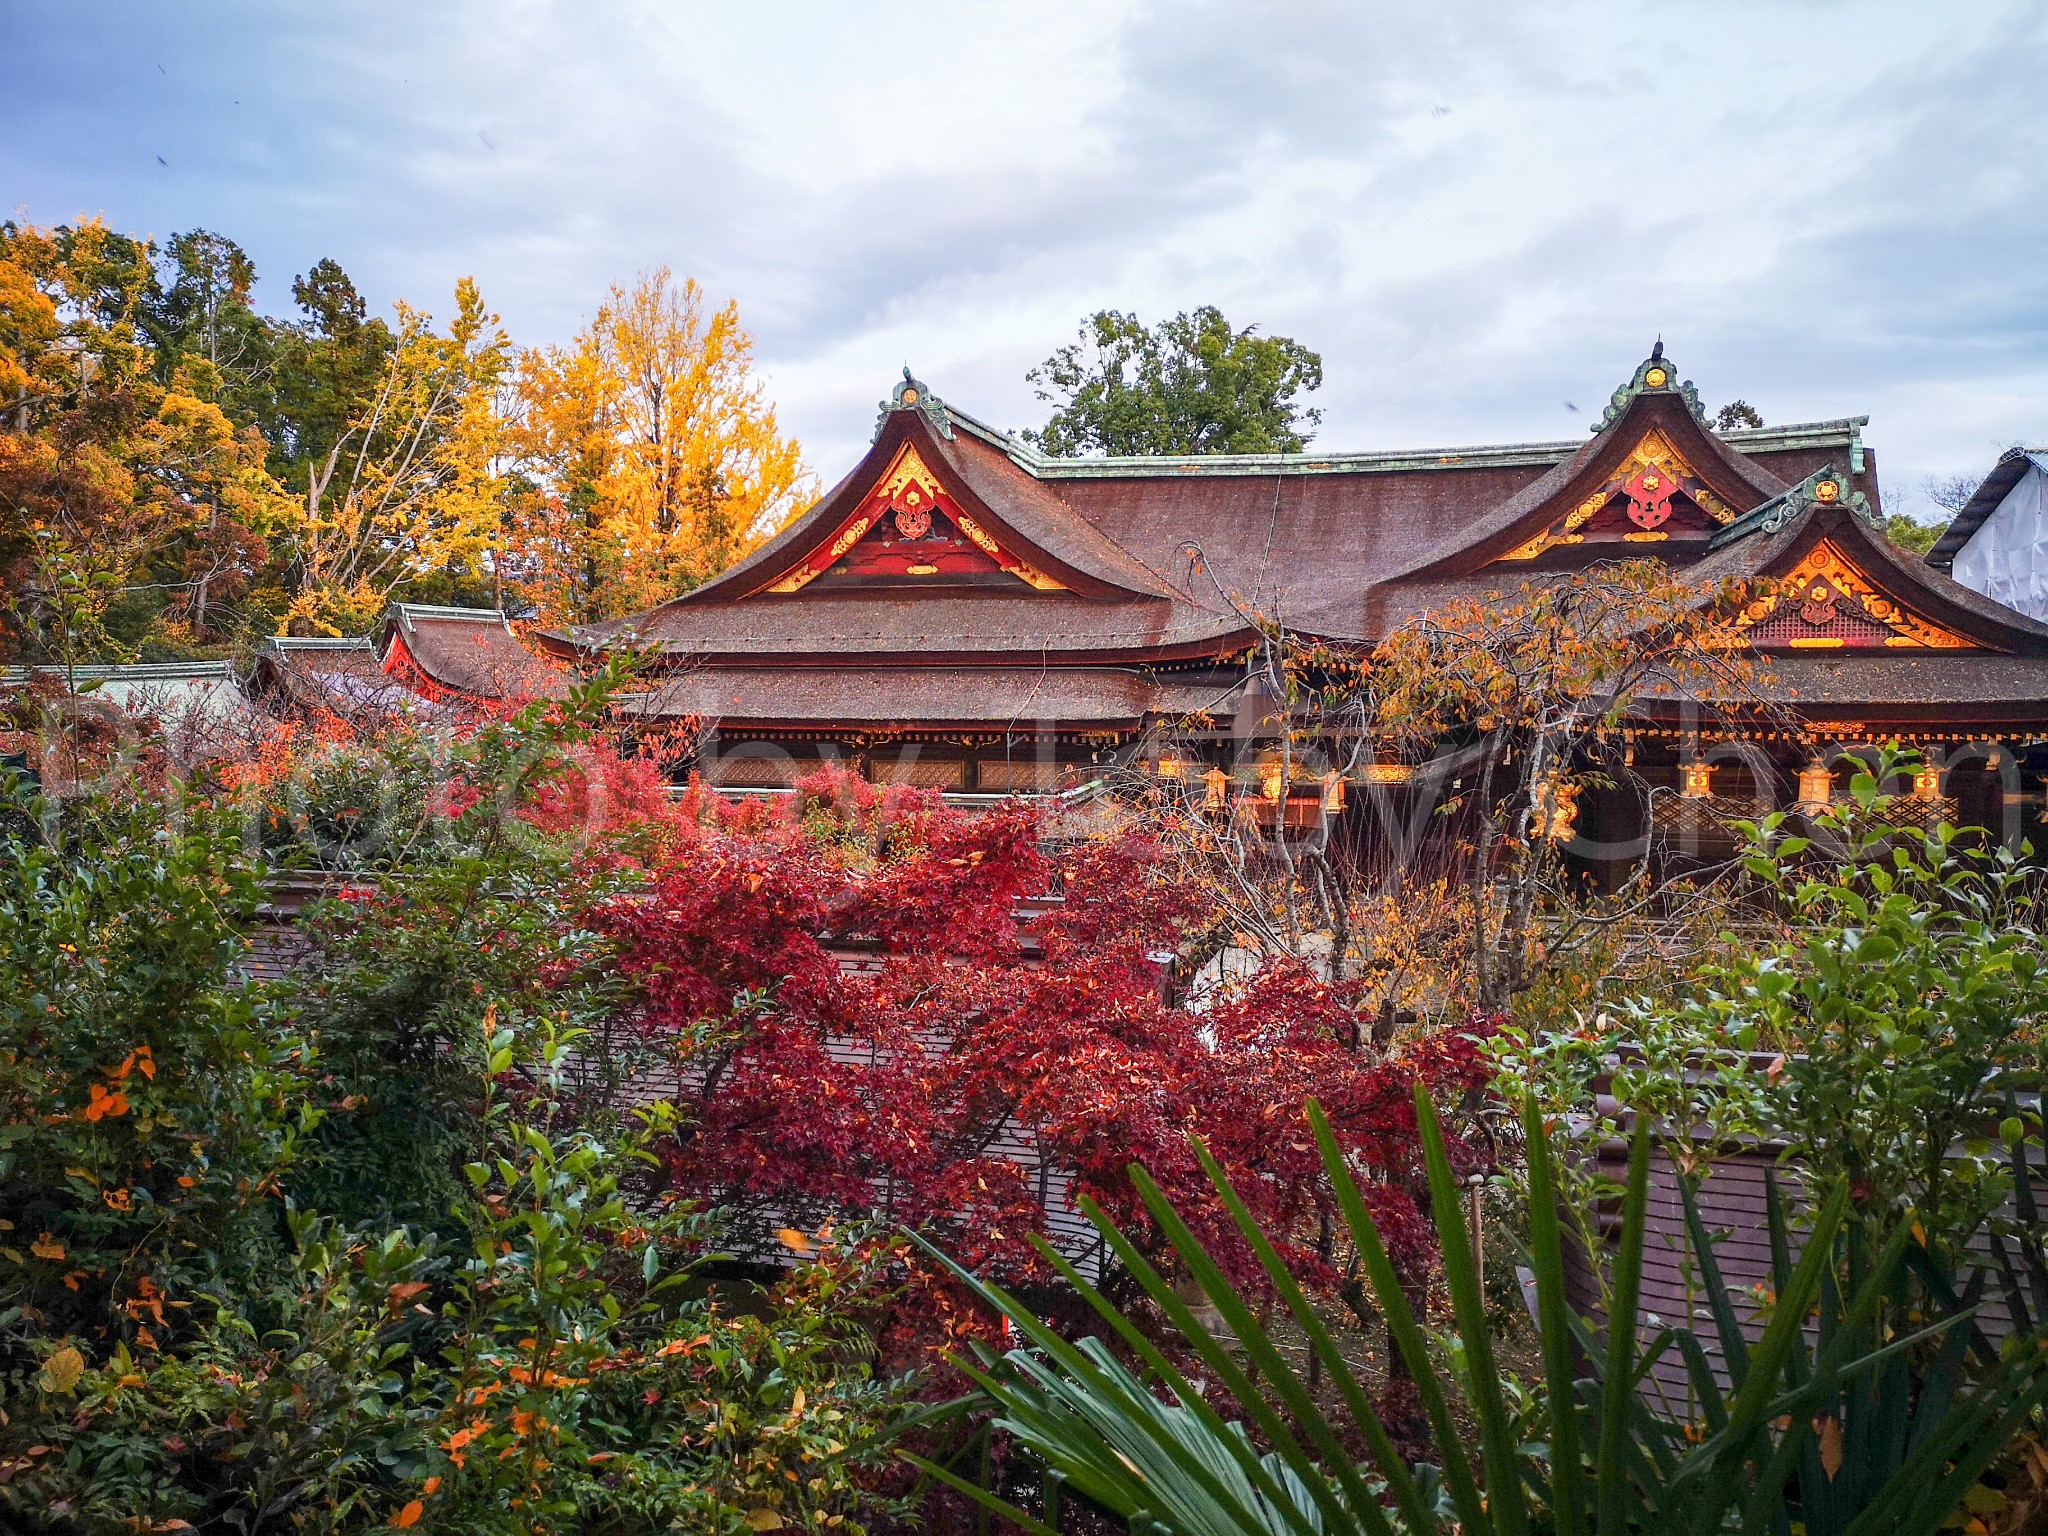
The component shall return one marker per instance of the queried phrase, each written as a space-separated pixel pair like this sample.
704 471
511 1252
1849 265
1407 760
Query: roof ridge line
1478 455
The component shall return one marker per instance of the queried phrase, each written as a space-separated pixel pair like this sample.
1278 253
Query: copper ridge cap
1479 456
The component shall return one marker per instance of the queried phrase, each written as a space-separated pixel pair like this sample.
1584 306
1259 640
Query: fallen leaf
61 1372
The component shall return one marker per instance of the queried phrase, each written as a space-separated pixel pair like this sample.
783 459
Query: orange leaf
1830 1429
399 1295
409 1515
47 1247
432 1485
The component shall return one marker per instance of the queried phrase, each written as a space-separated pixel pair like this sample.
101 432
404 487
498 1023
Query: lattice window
746 770
1027 775
923 772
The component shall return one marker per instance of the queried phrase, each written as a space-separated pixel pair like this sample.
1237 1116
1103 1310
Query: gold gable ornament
908 491
906 472
1820 585
1654 455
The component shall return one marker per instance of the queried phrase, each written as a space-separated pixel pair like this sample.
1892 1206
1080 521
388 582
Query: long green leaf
1400 1482
1617 1379
1734 1348
1185 1462
1224 1296
1468 1303
1546 1253
1402 1329
980 1495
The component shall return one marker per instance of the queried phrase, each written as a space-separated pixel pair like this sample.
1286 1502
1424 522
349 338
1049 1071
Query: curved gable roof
1025 516
1654 402
1785 533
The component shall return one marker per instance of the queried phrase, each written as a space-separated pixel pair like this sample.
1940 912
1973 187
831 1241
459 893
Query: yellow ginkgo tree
411 488
651 457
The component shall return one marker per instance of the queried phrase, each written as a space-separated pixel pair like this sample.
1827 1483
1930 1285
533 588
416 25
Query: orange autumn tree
652 457
1455 890
112 477
1526 699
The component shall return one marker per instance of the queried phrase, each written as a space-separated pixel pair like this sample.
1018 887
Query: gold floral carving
1826 563
1583 512
811 569
1014 566
1653 451
906 471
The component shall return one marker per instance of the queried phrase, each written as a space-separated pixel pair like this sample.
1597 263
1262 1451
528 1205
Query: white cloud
1477 213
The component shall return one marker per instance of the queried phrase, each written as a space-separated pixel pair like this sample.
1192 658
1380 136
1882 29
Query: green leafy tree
1910 534
1192 384
130 497
200 309
206 1323
328 366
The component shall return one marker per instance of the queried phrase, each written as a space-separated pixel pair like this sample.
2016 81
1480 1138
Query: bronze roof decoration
912 395
1654 372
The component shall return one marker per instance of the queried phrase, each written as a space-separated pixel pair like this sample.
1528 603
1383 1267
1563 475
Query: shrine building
964 613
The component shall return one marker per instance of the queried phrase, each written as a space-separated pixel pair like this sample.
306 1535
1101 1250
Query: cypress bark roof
1125 562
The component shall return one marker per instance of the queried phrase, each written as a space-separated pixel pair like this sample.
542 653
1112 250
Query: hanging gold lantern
1172 767
1271 781
1697 783
1562 822
1216 790
1927 783
1556 809
1816 786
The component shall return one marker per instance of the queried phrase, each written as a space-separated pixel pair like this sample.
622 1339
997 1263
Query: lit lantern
1698 779
1216 790
1927 783
1816 786
1172 767
1333 793
1559 811
1270 782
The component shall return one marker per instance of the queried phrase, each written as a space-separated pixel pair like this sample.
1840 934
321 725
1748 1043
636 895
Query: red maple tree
874 1030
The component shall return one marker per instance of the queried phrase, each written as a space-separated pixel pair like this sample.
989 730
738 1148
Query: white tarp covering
2007 557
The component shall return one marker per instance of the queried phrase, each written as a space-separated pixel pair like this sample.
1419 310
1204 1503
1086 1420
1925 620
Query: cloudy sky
1480 213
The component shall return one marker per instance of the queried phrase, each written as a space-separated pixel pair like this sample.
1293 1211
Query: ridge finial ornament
1654 375
912 395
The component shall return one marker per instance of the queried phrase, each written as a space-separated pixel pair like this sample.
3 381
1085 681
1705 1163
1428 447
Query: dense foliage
1191 384
876 1032
181 473
362 1248
1798 1434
